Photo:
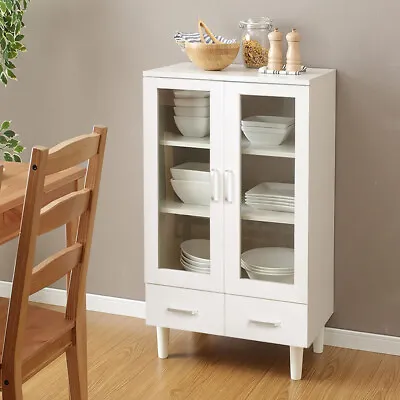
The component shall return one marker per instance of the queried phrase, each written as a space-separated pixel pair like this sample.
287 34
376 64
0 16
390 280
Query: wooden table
12 192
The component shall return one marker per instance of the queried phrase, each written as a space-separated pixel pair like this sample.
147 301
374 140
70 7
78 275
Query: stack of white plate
269 264
271 196
267 130
191 182
192 112
195 255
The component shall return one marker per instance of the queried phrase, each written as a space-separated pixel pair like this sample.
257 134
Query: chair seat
46 331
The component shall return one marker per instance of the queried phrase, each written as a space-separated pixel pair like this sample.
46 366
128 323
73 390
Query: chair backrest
37 220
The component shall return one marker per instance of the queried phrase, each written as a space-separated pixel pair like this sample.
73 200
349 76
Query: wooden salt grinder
293 59
275 54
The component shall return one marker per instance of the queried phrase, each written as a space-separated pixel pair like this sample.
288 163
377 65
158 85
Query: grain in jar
255 41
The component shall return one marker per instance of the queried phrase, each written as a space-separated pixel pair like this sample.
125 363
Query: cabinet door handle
214 185
229 186
182 311
271 324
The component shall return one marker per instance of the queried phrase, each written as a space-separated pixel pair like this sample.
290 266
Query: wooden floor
123 365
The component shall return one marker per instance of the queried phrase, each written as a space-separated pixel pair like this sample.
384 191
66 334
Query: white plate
197 249
188 267
192 102
191 269
192 192
273 189
192 111
271 207
191 171
195 264
270 200
269 257
267 121
184 94
272 271
193 126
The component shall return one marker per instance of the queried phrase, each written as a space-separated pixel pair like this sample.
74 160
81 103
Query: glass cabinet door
183 193
265 172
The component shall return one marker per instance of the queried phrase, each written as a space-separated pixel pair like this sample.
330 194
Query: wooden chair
34 336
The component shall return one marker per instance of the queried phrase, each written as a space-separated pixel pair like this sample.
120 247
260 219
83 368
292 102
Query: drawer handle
271 324
180 311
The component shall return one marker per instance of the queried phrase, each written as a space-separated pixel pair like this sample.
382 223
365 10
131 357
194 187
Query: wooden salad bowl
214 56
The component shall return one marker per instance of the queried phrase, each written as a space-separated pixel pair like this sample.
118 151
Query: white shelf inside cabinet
251 214
247 212
285 150
177 140
179 208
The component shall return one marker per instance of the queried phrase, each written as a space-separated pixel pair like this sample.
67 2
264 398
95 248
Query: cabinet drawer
266 321
185 309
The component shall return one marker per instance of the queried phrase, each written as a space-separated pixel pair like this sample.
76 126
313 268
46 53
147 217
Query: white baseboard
94 302
135 308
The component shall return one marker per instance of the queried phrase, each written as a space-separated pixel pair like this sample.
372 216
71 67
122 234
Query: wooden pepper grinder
293 59
275 54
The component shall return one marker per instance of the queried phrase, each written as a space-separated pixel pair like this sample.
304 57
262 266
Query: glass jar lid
257 23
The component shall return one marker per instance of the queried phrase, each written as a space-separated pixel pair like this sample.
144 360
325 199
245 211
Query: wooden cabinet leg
296 362
162 342
318 344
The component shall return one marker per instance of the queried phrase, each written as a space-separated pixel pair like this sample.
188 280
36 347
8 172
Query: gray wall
84 65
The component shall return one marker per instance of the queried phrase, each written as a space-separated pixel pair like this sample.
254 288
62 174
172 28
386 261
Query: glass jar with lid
255 42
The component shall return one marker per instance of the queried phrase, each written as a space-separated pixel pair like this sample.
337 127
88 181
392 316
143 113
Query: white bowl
192 192
267 121
192 111
196 102
196 249
289 279
260 139
191 171
193 126
269 257
185 94
268 131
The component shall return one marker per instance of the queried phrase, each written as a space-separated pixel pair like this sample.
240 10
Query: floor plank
123 365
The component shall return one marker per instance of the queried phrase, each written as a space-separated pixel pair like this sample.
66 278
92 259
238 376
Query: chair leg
77 364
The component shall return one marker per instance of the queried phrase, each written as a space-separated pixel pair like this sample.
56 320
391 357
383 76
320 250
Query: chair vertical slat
17 313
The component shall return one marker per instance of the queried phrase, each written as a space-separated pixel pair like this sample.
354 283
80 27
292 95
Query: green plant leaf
17 158
5 125
11 74
19 149
3 78
3 139
10 134
7 157
12 143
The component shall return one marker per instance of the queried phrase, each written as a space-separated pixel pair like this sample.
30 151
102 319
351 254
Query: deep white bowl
269 257
193 126
191 171
267 121
192 102
192 111
192 192
267 136
190 94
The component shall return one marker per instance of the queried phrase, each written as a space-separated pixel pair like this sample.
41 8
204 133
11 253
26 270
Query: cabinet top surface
235 73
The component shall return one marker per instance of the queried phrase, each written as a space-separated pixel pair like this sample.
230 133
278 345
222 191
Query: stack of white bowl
267 130
195 255
274 264
191 182
192 112
273 196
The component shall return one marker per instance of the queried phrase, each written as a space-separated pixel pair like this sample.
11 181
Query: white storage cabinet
225 301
